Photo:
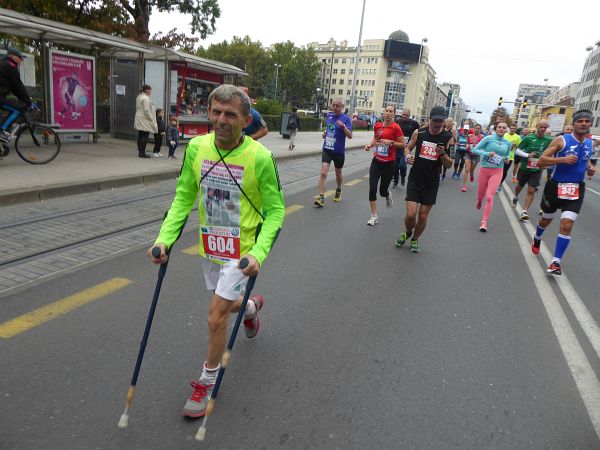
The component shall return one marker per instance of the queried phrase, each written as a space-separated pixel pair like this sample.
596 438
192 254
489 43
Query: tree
125 18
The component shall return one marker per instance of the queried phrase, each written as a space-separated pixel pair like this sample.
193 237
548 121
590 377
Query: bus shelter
68 71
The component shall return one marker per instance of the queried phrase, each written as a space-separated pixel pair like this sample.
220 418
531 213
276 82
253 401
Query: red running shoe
535 246
554 268
472 178
463 189
252 325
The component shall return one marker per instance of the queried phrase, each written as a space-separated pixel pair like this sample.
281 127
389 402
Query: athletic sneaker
483 226
4 136
395 186
524 217
156 155
252 325
389 201
472 177
415 247
554 268
195 406
540 212
402 239
320 201
403 181
514 202
463 189
535 245
515 180
373 221
338 195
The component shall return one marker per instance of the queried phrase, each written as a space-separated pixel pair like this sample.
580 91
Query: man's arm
16 85
446 160
548 158
261 132
273 206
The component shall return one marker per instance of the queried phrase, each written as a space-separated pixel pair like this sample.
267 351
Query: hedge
306 123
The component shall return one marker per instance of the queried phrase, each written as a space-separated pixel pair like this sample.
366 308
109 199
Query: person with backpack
293 126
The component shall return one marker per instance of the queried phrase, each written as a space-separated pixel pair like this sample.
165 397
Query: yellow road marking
329 193
292 209
353 182
366 176
60 307
193 250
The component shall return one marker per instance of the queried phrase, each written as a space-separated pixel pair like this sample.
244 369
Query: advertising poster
73 91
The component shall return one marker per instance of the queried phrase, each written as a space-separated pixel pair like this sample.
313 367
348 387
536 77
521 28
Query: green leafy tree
249 56
125 18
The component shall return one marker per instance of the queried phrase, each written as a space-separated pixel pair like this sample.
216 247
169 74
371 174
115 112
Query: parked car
361 121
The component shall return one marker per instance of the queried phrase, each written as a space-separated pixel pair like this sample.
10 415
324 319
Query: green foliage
269 106
125 18
296 78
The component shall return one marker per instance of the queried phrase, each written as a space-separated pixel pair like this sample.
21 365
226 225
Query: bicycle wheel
37 144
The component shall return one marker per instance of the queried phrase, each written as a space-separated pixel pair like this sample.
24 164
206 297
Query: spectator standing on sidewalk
293 125
172 136
158 137
145 119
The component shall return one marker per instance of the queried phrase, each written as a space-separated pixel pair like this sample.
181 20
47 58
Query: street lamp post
317 100
277 66
352 94
418 79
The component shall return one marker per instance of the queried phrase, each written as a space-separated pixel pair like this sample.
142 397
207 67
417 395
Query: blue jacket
493 143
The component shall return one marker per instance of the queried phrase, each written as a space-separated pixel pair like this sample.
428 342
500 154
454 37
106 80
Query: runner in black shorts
432 146
566 189
338 128
337 158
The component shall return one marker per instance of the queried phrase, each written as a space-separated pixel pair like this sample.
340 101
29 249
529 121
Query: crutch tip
201 434
124 421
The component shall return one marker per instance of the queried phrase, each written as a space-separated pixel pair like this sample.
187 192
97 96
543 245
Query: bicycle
35 143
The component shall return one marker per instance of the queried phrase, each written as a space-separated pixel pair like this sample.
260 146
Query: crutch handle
156 252
243 263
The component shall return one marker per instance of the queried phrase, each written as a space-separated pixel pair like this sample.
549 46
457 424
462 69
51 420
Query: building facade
388 71
588 94
534 94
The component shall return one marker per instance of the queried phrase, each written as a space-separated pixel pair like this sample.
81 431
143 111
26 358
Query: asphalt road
362 345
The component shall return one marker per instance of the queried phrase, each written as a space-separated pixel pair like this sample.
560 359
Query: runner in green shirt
239 194
530 150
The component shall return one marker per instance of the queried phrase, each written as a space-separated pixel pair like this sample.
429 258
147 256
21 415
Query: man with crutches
241 210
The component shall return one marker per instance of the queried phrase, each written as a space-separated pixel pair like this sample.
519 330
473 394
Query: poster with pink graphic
73 95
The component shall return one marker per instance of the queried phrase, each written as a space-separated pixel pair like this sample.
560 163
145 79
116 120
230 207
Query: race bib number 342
568 191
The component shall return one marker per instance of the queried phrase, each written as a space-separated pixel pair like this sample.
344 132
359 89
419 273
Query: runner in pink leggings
493 149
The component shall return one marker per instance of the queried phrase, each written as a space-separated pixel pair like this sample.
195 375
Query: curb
65 189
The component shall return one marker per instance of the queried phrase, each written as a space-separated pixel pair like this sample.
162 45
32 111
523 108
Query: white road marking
590 189
585 378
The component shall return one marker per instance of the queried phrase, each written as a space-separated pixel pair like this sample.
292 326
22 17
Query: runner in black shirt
432 146
408 126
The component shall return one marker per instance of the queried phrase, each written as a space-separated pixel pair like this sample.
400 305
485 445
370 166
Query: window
334 71
348 94
341 92
343 60
343 71
351 71
341 81
335 61
334 81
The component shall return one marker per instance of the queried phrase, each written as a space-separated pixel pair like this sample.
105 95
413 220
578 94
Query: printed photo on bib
221 198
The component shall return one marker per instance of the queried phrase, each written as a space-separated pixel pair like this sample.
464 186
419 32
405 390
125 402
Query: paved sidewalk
110 163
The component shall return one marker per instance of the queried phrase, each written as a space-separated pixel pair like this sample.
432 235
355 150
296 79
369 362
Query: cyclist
10 81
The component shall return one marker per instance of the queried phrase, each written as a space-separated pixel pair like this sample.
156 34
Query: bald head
541 127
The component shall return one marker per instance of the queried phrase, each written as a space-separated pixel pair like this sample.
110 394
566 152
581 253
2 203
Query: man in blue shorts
338 127
565 190
258 126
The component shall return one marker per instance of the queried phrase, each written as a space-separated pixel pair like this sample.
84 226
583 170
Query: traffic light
524 103
500 101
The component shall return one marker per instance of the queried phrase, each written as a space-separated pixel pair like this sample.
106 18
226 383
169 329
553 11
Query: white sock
250 309
209 376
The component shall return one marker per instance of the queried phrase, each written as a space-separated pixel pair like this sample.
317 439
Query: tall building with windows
534 94
588 94
388 71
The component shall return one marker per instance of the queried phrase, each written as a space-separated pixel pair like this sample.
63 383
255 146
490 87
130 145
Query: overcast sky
488 50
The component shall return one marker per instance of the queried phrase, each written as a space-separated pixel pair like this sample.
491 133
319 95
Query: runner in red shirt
388 138
471 160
